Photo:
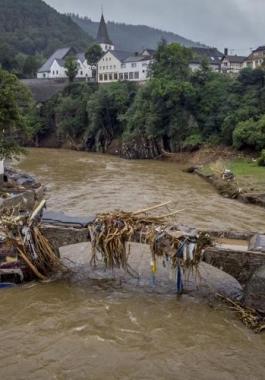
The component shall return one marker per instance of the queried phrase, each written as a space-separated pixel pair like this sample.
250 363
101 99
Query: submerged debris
250 317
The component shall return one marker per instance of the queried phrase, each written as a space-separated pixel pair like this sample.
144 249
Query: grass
247 168
249 175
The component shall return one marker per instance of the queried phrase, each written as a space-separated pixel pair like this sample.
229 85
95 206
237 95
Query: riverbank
236 178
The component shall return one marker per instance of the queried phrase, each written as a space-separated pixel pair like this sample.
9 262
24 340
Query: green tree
93 55
105 111
161 112
171 62
250 134
15 107
71 66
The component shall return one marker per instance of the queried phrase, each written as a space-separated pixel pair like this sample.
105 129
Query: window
81 72
144 64
110 67
107 67
101 77
114 66
136 75
133 65
105 77
106 47
44 75
110 77
130 75
123 65
115 76
121 76
53 73
143 71
126 76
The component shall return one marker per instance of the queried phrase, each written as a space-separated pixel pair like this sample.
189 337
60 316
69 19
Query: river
80 328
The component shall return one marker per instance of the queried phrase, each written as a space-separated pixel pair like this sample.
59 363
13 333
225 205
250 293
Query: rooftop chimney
226 51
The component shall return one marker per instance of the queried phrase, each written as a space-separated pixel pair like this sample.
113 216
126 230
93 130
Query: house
256 58
116 65
232 64
211 55
54 67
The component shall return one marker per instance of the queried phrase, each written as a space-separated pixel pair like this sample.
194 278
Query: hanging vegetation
110 233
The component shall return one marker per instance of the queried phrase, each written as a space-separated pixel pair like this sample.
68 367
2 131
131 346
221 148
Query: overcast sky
236 24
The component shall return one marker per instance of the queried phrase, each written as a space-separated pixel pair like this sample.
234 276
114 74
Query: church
117 65
114 65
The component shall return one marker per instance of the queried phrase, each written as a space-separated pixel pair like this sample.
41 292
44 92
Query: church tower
103 36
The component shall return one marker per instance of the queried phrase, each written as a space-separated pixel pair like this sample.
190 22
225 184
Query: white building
116 65
232 64
103 36
54 67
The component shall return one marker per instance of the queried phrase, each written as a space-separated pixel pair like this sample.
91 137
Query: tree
71 66
105 110
15 104
250 134
93 55
31 66
171 62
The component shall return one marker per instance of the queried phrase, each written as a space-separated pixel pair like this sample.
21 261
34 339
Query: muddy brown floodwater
80 328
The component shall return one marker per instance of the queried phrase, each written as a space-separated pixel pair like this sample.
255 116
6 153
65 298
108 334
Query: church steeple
103 38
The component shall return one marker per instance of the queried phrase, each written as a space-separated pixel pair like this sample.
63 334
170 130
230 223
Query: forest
30 31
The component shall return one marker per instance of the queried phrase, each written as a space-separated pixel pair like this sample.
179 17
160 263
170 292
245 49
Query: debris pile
110 233
24 251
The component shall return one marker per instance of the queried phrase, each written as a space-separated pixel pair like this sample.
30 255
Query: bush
250 134
261 160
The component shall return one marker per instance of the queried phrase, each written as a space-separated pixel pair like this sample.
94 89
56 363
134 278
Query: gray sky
236 24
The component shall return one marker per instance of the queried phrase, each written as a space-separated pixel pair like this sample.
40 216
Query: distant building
211 55
116 65
256 58
232 64
103 38
54 67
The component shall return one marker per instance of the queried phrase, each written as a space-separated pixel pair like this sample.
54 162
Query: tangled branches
249 317
110 234
22 233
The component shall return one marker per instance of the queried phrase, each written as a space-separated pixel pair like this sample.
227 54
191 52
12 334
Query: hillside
132 37
31 27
